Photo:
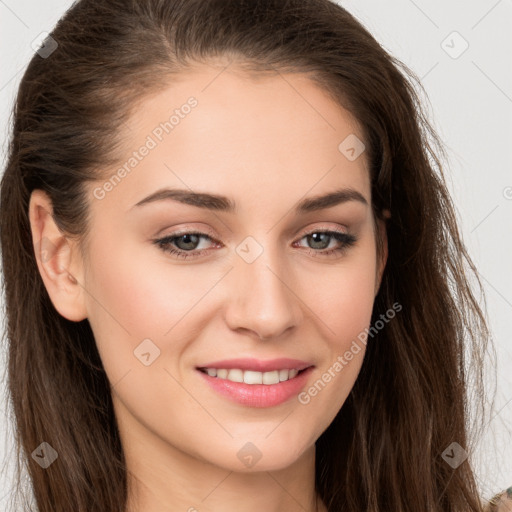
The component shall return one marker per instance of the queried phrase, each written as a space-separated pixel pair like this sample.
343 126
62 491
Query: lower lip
258 395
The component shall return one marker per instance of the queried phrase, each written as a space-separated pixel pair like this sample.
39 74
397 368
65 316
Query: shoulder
502 502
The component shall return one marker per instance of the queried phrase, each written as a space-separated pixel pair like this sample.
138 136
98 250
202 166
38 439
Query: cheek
342 300
344 314
347 304
130 300
342 295
135 288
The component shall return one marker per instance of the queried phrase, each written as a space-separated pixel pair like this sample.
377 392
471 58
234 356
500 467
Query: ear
381 264
58 259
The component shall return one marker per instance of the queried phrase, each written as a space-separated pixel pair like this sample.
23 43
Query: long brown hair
421 373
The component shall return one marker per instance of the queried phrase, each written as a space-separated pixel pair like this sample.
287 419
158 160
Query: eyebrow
224 204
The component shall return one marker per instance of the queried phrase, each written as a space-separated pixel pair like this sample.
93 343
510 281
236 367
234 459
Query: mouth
256 389
253 377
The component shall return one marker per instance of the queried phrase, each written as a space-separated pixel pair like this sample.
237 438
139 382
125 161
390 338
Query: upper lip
258 365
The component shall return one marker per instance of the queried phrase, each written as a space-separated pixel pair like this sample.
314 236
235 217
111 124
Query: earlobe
57 259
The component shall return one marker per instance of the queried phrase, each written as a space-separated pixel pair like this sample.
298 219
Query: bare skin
265 144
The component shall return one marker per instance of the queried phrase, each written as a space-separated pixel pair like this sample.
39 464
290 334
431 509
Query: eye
322 239
184 244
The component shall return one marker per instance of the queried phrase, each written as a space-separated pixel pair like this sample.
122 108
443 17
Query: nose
261 298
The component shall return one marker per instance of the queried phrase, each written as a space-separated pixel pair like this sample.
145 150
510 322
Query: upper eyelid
207 234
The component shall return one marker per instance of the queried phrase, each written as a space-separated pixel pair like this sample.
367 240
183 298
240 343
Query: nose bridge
262 298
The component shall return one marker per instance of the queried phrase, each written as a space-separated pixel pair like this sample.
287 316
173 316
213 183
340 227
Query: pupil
315 236
187 238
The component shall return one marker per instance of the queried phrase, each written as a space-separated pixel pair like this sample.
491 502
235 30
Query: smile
252 377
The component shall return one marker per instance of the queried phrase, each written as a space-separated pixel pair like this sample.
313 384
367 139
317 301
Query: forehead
245 136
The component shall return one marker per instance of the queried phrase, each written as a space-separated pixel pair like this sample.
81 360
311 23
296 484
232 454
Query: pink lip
257 365
258 395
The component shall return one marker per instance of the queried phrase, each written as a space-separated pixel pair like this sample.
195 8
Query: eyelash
164 244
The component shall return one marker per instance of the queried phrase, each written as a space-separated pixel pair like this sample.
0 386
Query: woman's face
252 285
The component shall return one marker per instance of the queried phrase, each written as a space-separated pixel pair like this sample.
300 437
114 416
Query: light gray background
470 105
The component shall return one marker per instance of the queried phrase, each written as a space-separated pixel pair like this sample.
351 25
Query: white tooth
283 375
251 377
236 375
222 374
271 377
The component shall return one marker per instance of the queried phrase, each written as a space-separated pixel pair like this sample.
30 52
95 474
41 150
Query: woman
255 369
